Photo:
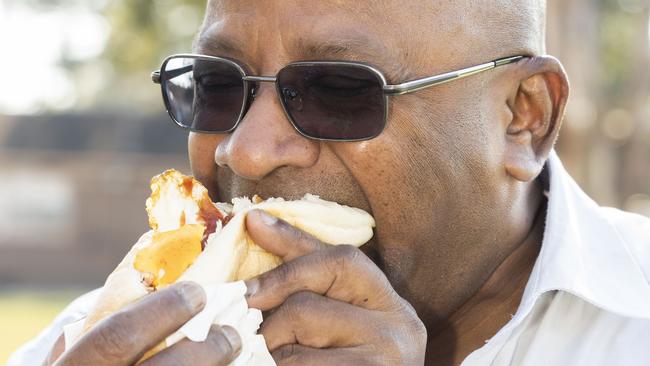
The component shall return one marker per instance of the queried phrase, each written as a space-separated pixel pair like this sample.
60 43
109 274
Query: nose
265 140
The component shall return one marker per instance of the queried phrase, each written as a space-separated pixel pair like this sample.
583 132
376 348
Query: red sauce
182 218
208 212
188 185
226 219
210 215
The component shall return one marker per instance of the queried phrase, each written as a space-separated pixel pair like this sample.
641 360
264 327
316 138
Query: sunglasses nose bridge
255 80
260 79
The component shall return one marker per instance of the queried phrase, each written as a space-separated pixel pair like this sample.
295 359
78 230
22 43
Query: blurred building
605 139
73 189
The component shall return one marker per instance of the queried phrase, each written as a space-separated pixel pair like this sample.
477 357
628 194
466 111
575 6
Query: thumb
279 237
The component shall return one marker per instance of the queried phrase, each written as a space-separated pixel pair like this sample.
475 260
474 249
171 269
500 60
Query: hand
123 337
331 304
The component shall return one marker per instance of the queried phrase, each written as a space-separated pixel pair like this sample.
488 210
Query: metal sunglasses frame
407 87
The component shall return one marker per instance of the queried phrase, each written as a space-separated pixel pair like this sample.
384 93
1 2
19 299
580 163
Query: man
481 235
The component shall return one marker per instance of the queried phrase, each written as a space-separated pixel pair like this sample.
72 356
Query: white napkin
72 332
226 305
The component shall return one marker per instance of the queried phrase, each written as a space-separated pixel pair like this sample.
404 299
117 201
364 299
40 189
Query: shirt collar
582 253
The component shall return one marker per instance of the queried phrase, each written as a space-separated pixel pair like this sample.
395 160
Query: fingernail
267 219
193 295
233 337
251 286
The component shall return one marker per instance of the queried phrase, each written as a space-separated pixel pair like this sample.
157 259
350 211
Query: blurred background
83 129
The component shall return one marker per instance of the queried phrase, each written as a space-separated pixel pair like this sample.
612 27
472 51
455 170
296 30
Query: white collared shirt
587 301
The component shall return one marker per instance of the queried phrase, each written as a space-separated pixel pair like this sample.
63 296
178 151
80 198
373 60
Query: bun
193 239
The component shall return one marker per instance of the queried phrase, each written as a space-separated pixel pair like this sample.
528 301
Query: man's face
433 179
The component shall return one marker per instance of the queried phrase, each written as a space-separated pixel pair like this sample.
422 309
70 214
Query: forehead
387 34
285 15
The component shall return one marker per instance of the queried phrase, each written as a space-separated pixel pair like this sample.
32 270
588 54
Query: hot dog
194 239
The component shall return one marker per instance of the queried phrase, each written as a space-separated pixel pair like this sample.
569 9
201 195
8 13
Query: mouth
292 184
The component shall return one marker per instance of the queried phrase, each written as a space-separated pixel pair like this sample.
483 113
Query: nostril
221 154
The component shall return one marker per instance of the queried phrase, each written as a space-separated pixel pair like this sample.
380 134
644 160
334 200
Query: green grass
24 313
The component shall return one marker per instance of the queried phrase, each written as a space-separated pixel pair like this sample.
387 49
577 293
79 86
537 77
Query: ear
537 110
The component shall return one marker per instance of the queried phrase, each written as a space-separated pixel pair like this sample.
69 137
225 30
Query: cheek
423 173
201 149
397 172
455 139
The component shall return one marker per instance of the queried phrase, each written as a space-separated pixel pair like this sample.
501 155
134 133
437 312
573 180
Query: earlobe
537 109
521 161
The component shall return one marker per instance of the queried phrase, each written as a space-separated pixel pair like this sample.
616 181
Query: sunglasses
323 100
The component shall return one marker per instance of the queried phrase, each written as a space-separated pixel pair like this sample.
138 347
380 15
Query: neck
491 307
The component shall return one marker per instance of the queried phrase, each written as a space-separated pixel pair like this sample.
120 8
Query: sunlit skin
452 181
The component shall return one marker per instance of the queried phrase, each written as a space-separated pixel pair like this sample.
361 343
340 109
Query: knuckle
296 305
180 298
347 251
299 236
420 336
406 343
345 255
302 299
220 343
398 353
415 324
303 237
114 341
370 355
417 327
287 354
286 273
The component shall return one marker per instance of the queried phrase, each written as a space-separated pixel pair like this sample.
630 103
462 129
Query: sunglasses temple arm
419 84
170 74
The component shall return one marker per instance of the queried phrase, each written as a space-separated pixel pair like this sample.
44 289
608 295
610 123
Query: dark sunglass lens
337 102
203 94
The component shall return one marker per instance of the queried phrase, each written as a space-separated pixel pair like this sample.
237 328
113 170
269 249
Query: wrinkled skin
452 181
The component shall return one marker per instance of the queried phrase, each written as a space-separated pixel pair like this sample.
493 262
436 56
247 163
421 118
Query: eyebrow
218 46
352 48
358 48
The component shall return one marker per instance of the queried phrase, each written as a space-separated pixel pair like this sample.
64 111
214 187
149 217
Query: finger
316 321
220 348
341 272
295 354
279 237
125 336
